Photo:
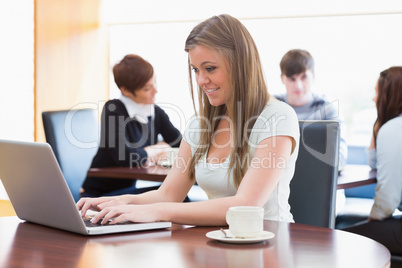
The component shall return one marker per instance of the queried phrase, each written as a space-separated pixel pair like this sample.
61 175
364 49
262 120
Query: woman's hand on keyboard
85 204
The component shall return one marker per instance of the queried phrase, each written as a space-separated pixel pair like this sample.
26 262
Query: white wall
16 72
139 11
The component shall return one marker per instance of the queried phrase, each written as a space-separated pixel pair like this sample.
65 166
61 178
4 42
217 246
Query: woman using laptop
241 149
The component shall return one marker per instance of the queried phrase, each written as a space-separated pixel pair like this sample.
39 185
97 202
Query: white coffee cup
245 221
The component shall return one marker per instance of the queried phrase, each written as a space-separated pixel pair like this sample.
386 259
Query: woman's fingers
83 205
122 213
105 215
96 204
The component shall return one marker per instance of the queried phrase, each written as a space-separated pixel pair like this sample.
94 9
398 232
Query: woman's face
299 87
144 95
211 74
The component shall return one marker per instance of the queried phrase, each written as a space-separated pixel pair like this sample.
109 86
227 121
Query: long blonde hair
228 37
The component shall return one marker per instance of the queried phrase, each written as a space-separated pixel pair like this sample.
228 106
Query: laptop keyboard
88 223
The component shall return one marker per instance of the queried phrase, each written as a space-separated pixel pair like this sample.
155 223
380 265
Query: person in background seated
297 74
385 155
130 127
241 148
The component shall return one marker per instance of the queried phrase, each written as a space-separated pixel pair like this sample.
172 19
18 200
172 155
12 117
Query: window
349 51
17 70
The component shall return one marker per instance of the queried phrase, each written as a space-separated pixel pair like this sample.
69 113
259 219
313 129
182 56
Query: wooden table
351 176
24 244
356 175
152 173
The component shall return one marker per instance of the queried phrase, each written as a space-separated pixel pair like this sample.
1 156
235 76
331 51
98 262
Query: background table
294 245
351 176
356 175
152 173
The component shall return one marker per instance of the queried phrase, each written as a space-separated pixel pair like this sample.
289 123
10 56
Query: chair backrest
73 136
314 184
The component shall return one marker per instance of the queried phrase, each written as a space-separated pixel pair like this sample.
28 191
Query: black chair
73 136
313 187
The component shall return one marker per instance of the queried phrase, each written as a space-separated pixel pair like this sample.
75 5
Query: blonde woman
241 148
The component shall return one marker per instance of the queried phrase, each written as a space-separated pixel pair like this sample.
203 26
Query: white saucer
218 235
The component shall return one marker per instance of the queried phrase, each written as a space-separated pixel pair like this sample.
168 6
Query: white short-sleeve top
277 119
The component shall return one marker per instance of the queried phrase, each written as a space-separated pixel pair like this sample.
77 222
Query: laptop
39 193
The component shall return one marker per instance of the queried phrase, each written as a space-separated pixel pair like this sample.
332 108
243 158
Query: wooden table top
25 244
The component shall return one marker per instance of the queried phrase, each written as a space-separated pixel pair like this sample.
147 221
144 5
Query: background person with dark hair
130 127
385 155
297 74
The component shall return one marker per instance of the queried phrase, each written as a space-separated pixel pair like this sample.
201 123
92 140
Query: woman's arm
258 183
372 155
389 171
174 188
